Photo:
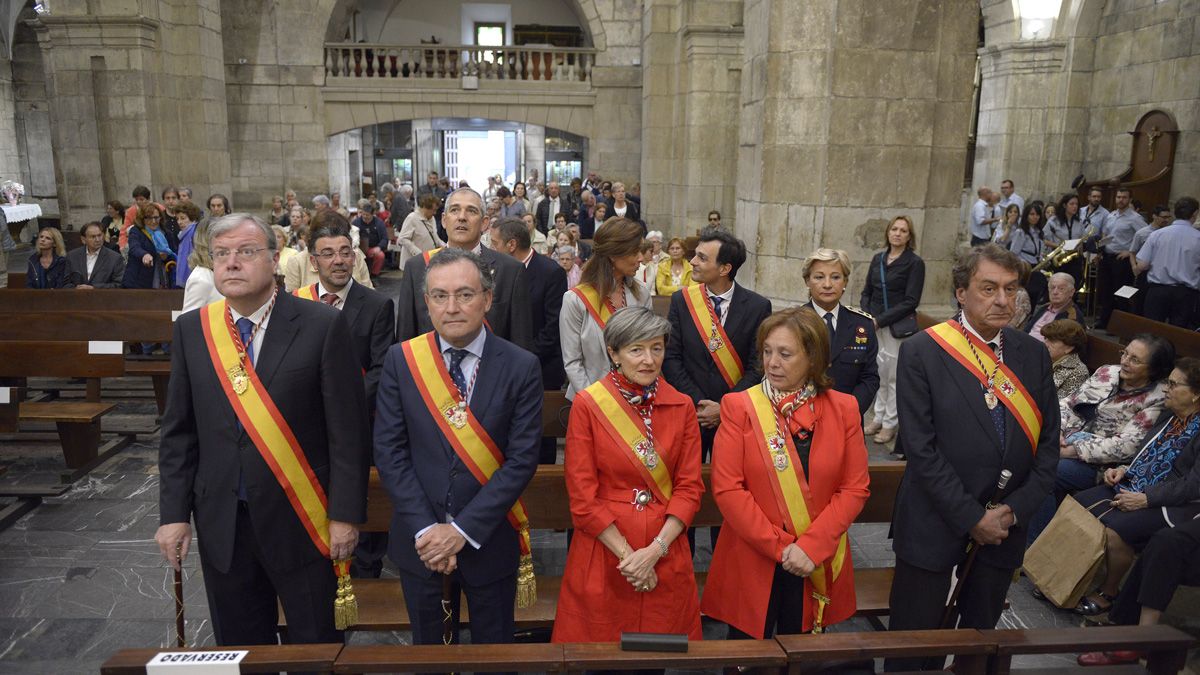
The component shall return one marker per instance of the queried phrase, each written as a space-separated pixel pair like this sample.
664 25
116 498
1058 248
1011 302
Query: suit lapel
281 330
354 303
490 370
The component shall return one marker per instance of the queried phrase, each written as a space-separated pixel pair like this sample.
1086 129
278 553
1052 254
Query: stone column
535 152
852 112
422 130
160 118
692 73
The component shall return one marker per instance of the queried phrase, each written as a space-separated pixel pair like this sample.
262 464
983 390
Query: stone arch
334 12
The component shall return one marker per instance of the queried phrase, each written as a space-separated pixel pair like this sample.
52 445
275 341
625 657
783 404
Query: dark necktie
456 373
717 300
829 325
245 329
997 413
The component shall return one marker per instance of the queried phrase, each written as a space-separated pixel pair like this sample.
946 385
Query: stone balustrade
355 61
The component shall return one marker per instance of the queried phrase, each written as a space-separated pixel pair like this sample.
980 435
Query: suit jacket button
453 473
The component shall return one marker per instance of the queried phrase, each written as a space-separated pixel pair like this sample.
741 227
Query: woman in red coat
633 475
789 475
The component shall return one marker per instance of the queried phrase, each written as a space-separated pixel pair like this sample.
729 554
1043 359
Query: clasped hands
638 567
796 561
1126 500
992 528
438 548
708 413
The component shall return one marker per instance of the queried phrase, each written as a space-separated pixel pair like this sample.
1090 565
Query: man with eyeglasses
714 218
460 409
509 314
265 445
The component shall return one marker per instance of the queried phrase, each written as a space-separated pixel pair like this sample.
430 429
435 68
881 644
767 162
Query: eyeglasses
344 254
713 219
1171 384
243 254
1135 360
440 298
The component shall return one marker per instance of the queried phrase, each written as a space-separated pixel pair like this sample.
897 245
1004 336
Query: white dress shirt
726 300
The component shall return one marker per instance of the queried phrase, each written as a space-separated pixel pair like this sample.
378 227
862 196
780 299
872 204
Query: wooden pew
120 325
661 305
1125 325
381 602
16 280
1166 647
450 658
261 659
99 299
77 422
970 647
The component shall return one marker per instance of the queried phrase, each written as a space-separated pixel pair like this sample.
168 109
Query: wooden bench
77 422
95 300
16 280
260 659
118 325
1166 647
381 601
1125 325
661 305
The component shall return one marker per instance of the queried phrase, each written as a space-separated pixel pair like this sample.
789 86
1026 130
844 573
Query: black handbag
903 327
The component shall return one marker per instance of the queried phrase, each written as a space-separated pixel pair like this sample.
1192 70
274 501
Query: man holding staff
457 433
1003 379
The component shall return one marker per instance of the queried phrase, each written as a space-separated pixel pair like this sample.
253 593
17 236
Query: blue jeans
1073 475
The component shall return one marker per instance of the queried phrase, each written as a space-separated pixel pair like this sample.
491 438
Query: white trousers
885 400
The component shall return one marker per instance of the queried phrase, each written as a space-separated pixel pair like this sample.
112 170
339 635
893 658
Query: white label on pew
175 315
1125 292
196 663
5 395
106 347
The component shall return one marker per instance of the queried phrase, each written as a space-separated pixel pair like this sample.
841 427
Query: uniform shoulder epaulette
856 310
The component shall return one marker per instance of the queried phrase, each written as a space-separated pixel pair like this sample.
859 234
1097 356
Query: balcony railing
451 62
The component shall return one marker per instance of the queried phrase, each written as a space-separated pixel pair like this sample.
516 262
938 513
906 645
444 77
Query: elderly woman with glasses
633 477
1105 418
152 251
1159 488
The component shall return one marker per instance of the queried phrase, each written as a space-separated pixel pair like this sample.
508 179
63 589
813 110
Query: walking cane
972 551
179 641
448 590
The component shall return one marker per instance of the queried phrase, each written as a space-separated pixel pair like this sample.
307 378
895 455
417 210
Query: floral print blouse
1119 419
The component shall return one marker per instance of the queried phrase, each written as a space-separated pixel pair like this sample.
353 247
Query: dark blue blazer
138 275
425 478
955 454
547 285
852 356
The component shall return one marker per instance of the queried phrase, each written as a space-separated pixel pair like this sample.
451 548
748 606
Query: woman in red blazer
633 476
790 475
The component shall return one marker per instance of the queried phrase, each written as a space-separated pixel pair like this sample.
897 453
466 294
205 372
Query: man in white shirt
1009 196
983 217
93 265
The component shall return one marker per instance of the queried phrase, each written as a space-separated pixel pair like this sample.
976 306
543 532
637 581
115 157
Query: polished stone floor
81 577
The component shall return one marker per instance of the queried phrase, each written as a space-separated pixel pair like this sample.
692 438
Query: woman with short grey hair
633 478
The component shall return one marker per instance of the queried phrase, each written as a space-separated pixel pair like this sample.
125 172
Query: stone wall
852 113
10 159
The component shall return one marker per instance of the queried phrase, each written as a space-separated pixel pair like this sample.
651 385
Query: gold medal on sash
456 415
990 399
715 342
238 379
645 450
778 449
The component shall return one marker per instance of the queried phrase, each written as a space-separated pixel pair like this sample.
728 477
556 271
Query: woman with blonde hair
606 285
48 266
895 280
200 289
674 272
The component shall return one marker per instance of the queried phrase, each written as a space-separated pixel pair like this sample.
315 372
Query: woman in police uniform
853 348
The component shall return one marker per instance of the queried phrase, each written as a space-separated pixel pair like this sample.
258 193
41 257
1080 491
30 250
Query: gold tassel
345 606
818 621
526 582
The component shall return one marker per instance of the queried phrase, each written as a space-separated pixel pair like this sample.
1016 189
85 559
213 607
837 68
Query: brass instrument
1058 257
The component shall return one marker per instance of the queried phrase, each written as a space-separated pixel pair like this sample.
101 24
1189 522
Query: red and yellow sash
729 364
951 337
626 428
428 255
478 452
792 496
596 306
306 292
265 425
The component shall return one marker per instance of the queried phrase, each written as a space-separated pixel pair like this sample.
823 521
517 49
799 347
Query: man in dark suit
553 203
509 313
94 265
371 317
959 434
258 548
547 285
852 344
689 364
444 397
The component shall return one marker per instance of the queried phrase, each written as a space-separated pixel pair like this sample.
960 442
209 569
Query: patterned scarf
789 405
1153 464
639 397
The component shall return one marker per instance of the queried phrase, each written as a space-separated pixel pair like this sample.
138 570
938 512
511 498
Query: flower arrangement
12 191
